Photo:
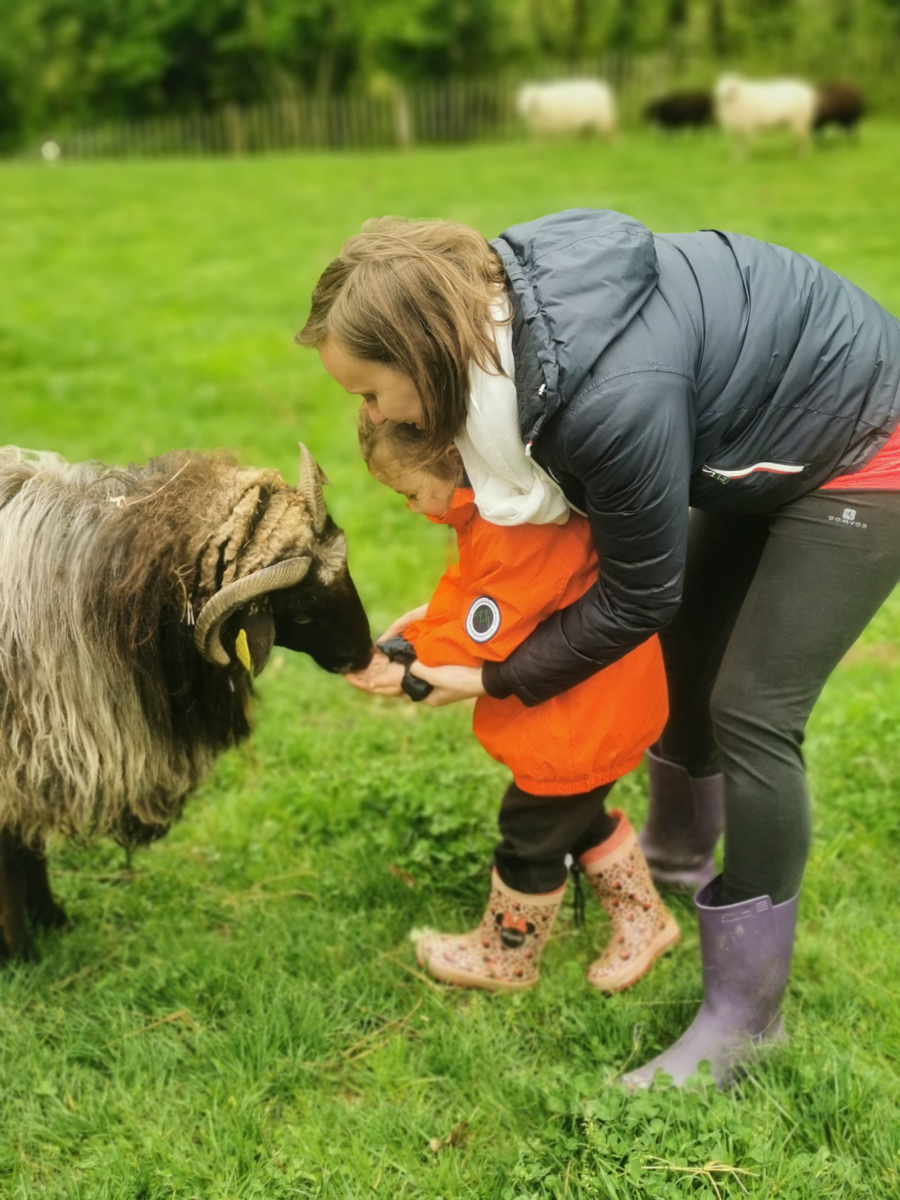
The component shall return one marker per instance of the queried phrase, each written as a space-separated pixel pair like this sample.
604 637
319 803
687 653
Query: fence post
404 135
234 129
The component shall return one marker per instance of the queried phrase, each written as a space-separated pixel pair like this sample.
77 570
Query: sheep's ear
310 487
237 595
255 640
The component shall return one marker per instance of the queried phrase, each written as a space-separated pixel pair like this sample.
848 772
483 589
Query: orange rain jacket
507 580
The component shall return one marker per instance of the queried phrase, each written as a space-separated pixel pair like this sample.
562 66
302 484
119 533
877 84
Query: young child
565 754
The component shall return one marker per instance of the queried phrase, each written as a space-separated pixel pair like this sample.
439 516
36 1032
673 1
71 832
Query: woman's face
389 396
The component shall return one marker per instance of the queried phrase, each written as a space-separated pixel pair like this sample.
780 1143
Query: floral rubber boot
504 952
642 926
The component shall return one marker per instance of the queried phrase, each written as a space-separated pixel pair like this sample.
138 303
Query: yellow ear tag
242 650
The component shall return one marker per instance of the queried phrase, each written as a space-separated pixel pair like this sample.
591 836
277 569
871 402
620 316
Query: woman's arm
630 441
449 683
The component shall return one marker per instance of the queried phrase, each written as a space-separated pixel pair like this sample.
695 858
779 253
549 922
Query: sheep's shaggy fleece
108 716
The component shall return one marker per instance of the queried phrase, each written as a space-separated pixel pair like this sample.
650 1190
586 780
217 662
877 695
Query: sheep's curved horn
310 488
235 595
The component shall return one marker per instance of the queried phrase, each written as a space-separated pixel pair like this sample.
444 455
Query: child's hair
416 296
392 448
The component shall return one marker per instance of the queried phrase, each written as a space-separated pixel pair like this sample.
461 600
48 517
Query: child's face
425 493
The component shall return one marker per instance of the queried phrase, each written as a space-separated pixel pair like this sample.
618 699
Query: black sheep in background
839 103
679 110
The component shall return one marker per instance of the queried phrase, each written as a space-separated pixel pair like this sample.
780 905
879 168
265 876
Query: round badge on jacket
483 620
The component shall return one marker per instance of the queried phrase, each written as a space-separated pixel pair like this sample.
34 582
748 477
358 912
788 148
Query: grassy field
236 1013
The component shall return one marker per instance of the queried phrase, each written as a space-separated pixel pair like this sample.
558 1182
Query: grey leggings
771 605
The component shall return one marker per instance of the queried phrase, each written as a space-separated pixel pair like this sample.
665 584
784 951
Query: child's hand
380 678
450 683
415 614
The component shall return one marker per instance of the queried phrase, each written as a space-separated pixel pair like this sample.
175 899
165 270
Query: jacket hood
578 279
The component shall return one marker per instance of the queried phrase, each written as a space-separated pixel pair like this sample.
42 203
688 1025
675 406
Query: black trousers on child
539 831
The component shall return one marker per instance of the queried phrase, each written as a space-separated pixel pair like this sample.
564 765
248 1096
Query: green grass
236 1015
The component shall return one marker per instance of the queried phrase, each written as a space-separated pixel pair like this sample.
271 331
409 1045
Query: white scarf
510 488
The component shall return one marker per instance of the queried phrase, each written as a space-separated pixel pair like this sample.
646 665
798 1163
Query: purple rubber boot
685 819
746 951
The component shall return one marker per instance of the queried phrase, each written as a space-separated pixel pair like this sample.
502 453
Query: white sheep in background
568 106
748 106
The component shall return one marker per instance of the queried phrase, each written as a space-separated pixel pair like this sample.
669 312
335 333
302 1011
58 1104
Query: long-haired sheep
745 107
568 106
136 606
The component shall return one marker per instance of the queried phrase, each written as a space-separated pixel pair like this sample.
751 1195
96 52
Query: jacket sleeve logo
483 620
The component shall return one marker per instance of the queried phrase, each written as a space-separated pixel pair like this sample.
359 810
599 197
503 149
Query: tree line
65 65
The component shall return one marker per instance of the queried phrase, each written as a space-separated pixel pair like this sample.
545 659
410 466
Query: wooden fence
398 117
455 111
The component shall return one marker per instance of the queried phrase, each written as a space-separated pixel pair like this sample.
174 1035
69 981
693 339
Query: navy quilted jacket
655 372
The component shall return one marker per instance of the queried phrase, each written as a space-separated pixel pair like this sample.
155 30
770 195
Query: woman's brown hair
416 296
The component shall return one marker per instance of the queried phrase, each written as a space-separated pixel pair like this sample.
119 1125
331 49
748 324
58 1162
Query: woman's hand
380 678
450 683
401 623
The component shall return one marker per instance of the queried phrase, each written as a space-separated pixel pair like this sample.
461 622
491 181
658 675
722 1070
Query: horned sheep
136 607
568 106
745 107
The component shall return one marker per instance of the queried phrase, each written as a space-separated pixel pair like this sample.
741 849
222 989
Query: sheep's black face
323 617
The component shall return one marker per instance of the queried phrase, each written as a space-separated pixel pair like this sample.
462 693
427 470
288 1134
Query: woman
646 375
